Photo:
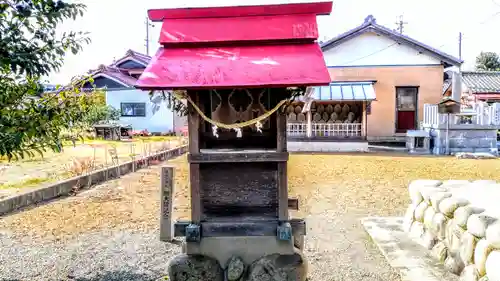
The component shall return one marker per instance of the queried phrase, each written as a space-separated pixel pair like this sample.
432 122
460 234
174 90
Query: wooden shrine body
239 184
235 64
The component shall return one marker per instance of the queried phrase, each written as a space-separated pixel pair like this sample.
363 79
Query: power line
492 16
148 24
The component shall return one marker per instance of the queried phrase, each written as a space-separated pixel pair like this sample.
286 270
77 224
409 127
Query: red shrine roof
244 46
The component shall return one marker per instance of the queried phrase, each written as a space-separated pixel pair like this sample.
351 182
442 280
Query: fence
480 114
98 156
74 184
333 130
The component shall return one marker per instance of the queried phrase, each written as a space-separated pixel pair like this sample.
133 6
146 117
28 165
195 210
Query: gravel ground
111 232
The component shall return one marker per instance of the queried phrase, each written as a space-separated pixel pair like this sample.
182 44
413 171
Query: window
130 109
406 98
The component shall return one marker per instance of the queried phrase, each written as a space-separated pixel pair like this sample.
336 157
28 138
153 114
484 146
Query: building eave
100 74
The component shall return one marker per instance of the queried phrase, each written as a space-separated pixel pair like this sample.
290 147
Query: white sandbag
437 197
415 193
429 240
454 183
428 217
454 264
416 230
416 185
493 234
409 217
439 226
493 266
419 183
416 197
467 248
483 249
420 211
428 191
469 274
448 205
483 182
455 242
448 232
478 223
439 252
462 214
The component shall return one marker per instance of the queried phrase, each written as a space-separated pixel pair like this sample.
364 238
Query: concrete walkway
402 253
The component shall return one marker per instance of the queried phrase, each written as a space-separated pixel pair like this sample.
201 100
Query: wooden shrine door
406 108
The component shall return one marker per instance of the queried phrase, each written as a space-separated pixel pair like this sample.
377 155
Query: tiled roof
370 25
482 81
446 85
117 74
131 54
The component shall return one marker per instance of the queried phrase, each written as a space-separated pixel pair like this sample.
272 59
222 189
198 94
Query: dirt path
111 232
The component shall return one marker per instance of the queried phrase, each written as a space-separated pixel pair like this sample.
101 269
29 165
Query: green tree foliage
488 61
31 121
101 113
97 112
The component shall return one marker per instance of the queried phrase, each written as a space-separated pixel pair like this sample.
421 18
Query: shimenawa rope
236 126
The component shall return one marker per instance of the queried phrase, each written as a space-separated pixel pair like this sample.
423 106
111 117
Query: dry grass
376 183
74 160
355 184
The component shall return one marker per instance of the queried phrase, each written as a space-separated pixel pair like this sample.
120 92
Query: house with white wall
380 81
135 106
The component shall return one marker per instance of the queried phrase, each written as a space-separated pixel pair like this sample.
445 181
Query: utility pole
148 24
460 45
400 24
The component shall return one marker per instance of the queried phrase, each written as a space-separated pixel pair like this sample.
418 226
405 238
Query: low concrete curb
402 253
66 187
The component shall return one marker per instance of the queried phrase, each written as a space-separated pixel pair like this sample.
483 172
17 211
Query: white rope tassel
258 126
238 132
214 131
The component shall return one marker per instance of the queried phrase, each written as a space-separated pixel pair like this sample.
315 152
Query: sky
118 25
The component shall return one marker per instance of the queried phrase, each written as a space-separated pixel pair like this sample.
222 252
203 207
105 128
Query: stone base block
274 267
248 248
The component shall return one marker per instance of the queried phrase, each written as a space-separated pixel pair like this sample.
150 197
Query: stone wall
465 139
459 222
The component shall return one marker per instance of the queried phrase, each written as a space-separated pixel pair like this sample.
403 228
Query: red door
406 109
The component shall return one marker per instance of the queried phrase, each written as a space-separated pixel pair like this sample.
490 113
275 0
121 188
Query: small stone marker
167 208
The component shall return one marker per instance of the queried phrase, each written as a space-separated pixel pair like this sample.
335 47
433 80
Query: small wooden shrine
238 68
112 131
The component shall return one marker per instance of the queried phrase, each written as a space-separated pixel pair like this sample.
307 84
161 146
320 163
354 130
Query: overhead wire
492 16
385 48
371 54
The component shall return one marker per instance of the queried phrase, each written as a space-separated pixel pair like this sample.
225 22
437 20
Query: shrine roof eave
318 8
248 86
288 65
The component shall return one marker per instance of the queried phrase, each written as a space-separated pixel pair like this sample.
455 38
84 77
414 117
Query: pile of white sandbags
459 222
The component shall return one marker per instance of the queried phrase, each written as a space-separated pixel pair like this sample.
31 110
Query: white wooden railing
297 129
334 130
479 114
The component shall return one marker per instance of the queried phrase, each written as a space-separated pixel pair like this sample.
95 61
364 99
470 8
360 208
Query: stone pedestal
465 138
418 142
273 267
